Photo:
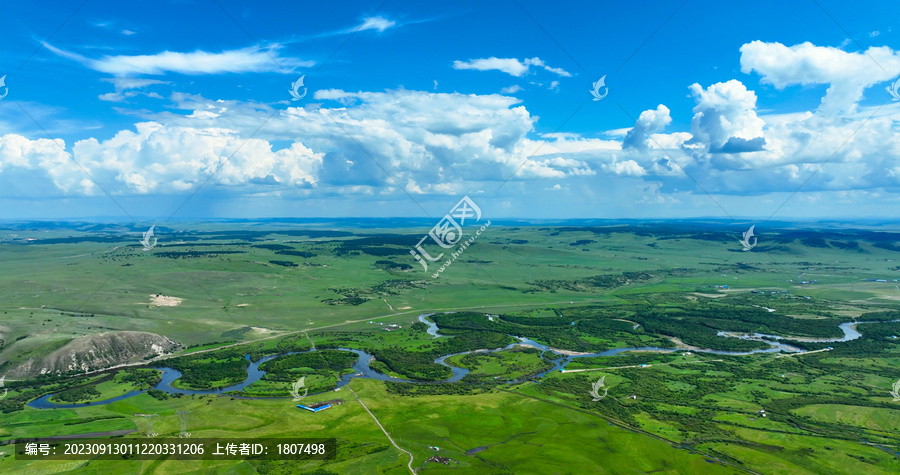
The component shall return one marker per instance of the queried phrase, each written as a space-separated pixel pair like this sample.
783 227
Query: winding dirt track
383 430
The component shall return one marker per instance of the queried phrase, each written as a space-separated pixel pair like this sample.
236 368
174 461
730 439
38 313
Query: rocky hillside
96 352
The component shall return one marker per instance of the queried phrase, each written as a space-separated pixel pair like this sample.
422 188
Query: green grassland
506 365
575 289
520 435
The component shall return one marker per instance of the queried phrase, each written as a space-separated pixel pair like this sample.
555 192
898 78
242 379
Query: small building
442 460
633 396
392 327
321 406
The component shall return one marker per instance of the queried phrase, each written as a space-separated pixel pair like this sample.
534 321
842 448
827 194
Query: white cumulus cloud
511 66
649 122
847 74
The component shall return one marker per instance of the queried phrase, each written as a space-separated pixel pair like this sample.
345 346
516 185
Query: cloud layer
253 60
364 143
511 66
847 74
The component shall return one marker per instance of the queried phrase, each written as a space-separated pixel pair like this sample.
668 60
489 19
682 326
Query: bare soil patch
165 301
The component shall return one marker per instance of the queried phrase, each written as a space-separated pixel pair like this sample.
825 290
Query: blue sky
182 109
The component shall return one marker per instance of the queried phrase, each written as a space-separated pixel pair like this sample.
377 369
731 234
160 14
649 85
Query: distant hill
96 352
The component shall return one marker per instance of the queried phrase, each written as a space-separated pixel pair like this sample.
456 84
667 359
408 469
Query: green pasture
829 413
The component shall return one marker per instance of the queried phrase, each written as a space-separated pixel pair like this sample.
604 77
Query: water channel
362 370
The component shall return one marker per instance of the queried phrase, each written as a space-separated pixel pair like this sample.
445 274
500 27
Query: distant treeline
391 265
192 254
295 253
283 263
273 247
558 332
592 283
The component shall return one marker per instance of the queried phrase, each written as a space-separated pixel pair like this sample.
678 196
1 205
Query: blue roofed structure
321 406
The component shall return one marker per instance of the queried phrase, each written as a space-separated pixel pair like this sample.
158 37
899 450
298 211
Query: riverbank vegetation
321 370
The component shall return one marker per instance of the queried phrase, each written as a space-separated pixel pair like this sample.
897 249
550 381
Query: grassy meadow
223 290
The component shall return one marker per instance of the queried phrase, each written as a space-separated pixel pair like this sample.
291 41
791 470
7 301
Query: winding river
362 370
432 327
849 329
